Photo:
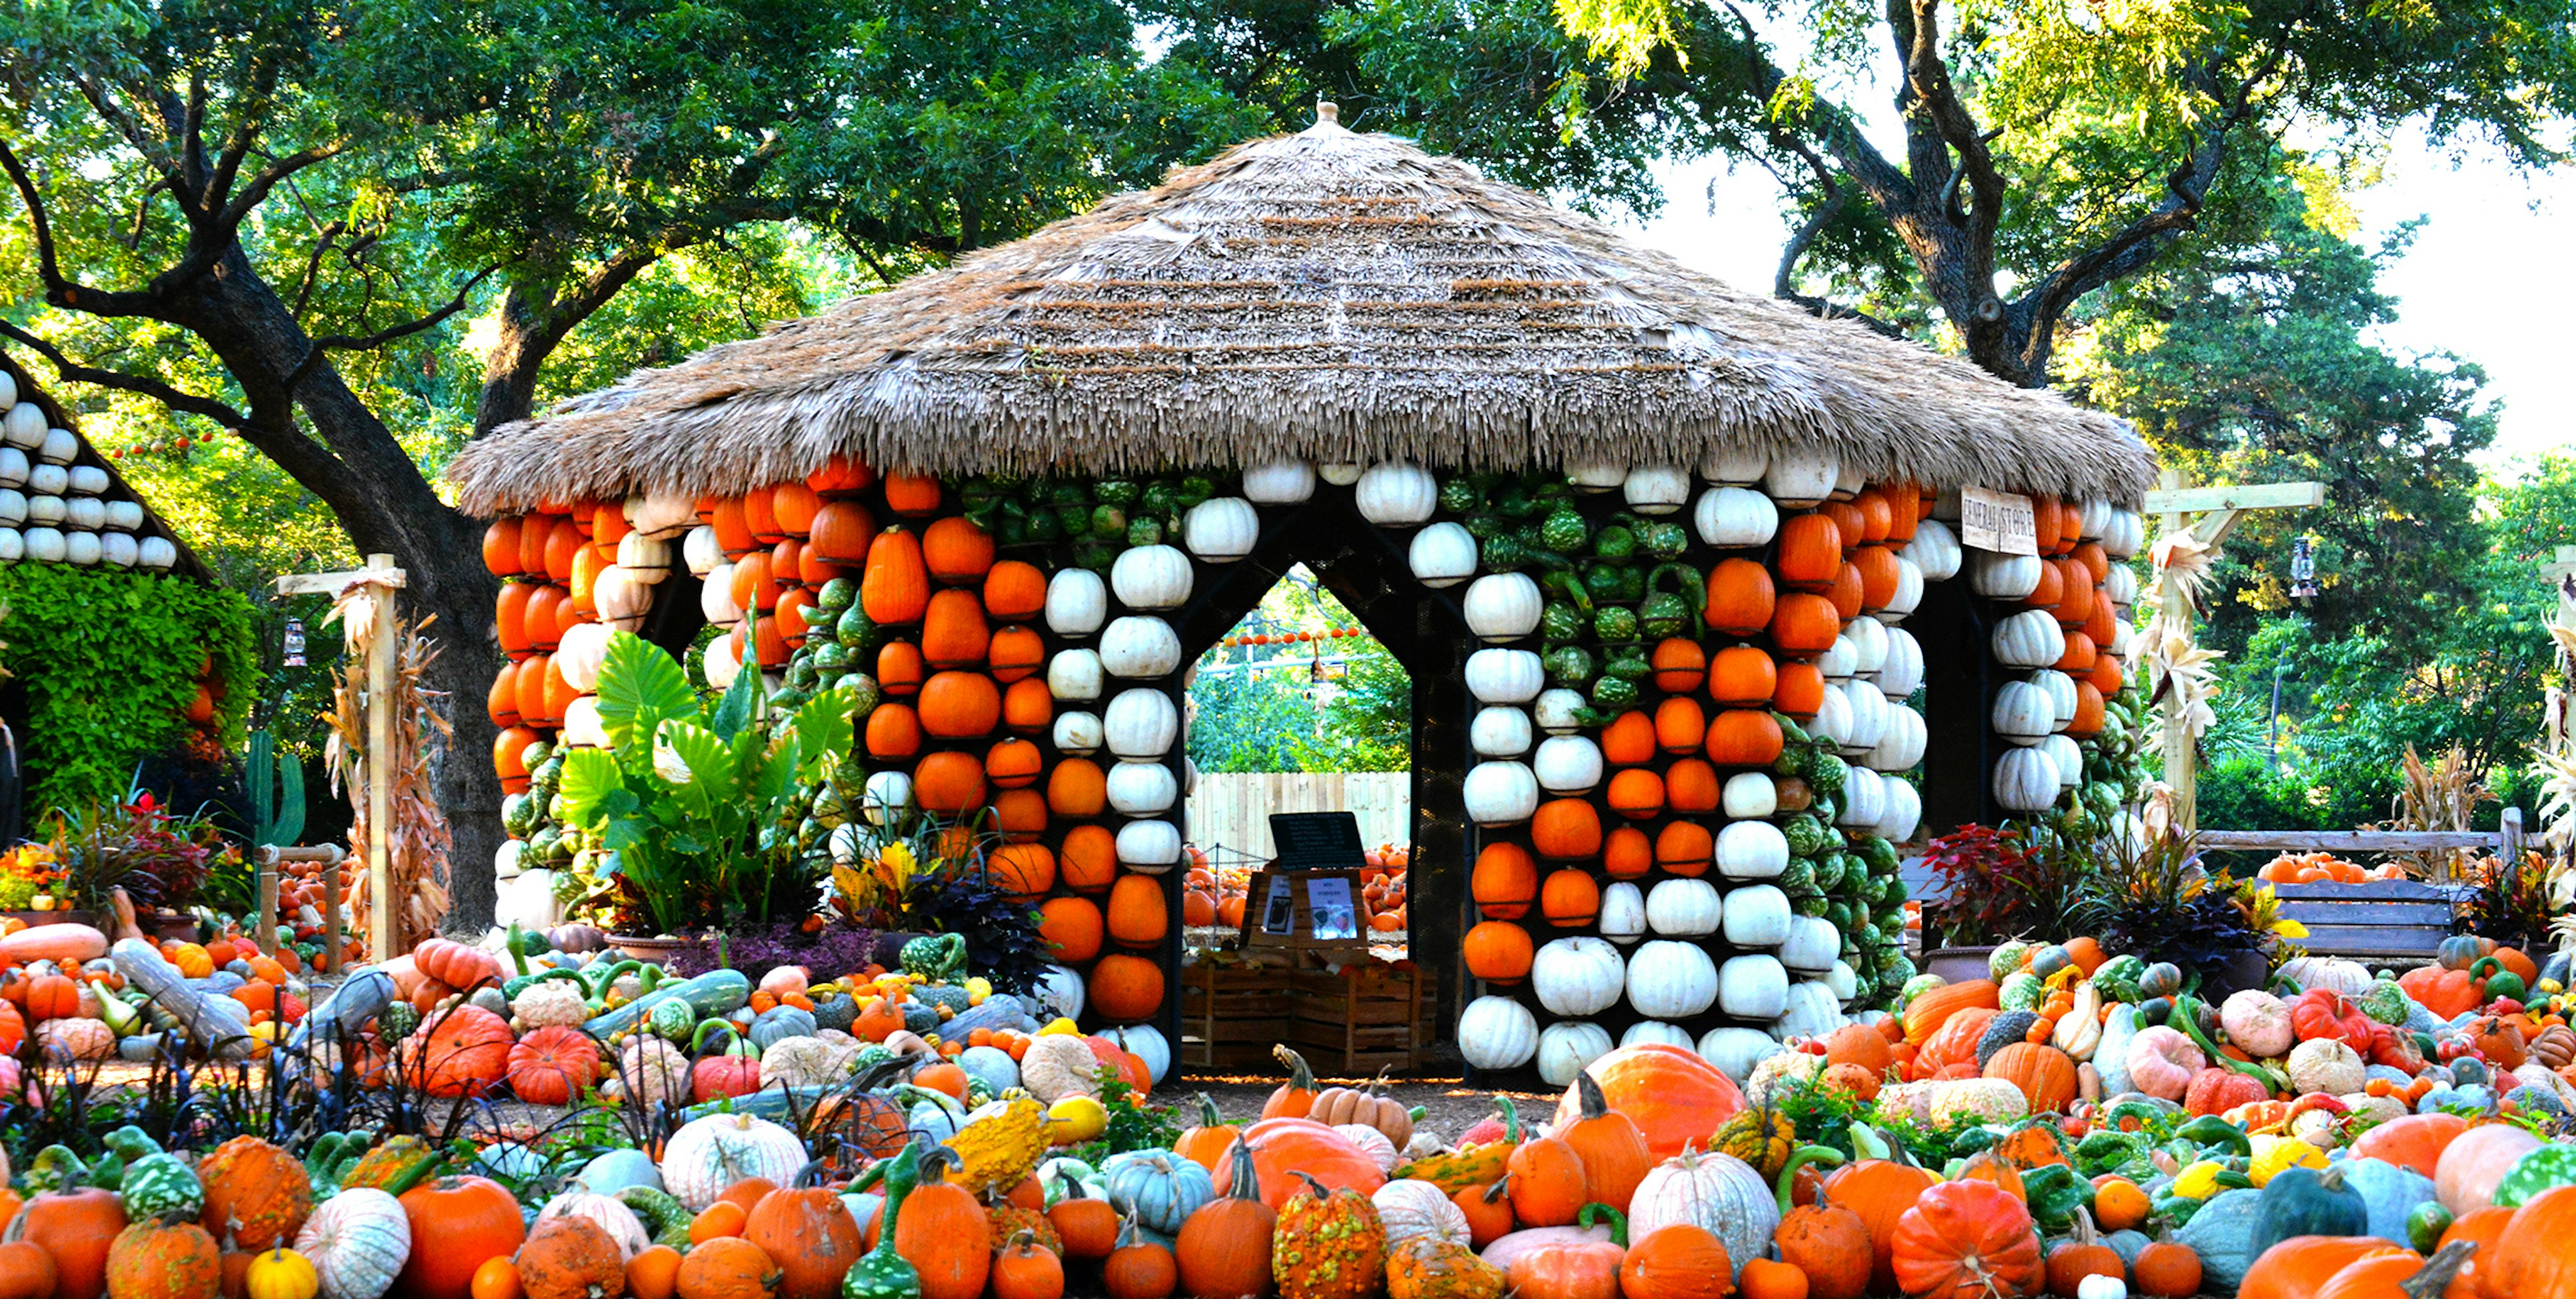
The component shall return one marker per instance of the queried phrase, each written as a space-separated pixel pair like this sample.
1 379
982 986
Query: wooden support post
264 927
380 579
2209 514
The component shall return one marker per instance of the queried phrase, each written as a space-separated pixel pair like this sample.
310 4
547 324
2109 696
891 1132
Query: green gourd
882 1273
2306 1202
161 1188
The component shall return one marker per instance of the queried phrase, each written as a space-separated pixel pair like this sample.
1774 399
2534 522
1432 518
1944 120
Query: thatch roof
1327 295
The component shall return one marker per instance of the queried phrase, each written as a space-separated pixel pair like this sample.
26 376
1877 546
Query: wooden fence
1233 810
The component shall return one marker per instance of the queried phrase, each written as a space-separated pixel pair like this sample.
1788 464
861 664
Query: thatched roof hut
1329 296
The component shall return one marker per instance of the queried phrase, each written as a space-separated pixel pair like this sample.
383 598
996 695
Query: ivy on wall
109 661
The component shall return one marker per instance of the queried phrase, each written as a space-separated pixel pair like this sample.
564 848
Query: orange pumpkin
1072 926
1014 590
895 588
1680 726
956 551
1087 860
1570 899
1808 552
1126 989
960 705
1566 828
1804 625
1740 598
953 631
1498 951
949 784
1504 882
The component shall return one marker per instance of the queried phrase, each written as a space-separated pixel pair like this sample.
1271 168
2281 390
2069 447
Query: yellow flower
2289 929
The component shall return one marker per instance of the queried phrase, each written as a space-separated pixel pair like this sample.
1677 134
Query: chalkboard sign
1306 841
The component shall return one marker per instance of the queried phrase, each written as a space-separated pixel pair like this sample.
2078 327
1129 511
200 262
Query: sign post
379 580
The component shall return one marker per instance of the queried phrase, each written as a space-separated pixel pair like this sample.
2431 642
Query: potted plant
2160 902
1995 884
697 813
133 864
908 874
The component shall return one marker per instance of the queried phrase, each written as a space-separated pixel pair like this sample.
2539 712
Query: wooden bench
2394 922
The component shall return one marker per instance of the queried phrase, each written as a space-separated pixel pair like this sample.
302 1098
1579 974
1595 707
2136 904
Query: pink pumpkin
786 980
2162 1062
2258 1023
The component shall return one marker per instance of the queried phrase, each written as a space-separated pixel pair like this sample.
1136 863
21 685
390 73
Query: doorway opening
1298 708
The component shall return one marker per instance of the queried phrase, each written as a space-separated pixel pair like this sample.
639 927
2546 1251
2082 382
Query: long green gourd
715 992
221 1025
882 1273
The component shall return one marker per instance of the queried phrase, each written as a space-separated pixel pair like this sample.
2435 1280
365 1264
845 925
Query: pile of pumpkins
62 993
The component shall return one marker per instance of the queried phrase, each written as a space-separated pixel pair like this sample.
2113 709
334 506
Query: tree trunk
385 506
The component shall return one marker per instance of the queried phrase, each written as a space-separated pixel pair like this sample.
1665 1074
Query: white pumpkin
1751 850
1845 982
1735 466
709 1154
641 554
1868 638
1737 1051
1753 987
13 545
1497 1033
715 597
1560 711
45 545
886 796
1868 717
1812 944
1863 800
2093 519
722 662
1442 555
59 447
2060 689
1140 647
88 480
1503 606
1396 494
661 515
1901 672
1504 676
158 553
1568 764
45 506
24 426
1671 980
1151 577
1142 788
1655 1032
1499 732
2002 577
1412 1209
1077 602
81 548
1685 908
1221 529
579 654
1717 1192
1904 811
48 480
1581 975
2120 585
701 551
2025 780
1656 489
623 596
1141 724
2068 757
1623 913
1848 482
1339 473
1147 1043
1756 916
2029 639
1733 518
357 1242
117 550
13 507
2126 534
1279 482
1077 733
1568 1048
1908 595
1839 661
1749 796
1801 477
1149 846
2022 713
1812 1011
14 467
1075 676
1499 793
1061 990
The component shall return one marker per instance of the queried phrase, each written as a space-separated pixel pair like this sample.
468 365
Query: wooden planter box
1231 1015
1356 1025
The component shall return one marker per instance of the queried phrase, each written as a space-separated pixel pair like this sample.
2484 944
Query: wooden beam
2349 840
380 761
334 583
2247 496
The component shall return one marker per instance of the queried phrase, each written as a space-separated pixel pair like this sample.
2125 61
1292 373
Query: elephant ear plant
701 811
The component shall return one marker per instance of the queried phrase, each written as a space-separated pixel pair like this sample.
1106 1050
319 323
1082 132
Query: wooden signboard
1306 910
1308 841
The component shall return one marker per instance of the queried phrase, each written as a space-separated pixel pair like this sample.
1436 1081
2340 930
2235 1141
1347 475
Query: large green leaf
742 702
711 781
589 776
640 687
825 728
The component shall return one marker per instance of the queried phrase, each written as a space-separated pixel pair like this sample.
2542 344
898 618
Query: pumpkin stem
1618 1221
1314 1188
1826 1156
1502 1186
1300 1077
1245 1183
2438 1271
1208 1117
1511 1118
1589 1097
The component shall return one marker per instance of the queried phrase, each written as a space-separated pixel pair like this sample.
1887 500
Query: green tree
2047 149
1259 708
270 220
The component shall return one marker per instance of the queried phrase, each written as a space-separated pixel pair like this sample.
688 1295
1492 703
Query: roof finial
1327 113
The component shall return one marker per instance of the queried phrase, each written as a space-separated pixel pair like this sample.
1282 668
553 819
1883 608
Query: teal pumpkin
2162 979
1160 1187
2222 1233
2306 1202
779 1023
161 1187
2389 1195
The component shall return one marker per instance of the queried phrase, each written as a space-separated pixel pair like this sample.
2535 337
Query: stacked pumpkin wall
2062 629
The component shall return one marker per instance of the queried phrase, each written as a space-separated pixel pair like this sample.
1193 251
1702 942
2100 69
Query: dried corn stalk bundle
416 841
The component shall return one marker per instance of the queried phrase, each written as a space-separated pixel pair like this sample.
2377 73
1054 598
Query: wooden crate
2392 922
1231 1015
1351 1026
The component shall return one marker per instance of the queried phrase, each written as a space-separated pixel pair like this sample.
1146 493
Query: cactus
276 793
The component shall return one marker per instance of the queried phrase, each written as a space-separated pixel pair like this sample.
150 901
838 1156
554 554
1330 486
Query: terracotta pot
1958 964
168 925
653 951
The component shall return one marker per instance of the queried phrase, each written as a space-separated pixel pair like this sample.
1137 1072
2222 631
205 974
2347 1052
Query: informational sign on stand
1308 841
2001 522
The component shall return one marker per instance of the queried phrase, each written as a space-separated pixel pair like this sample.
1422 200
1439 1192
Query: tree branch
313 266
46 268
73 372
367 342
1936 96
